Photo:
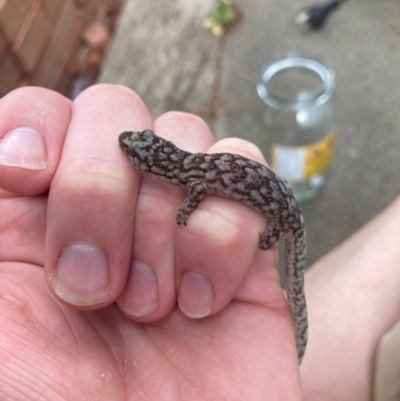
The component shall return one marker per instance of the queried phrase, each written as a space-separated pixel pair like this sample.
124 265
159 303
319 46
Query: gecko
243 180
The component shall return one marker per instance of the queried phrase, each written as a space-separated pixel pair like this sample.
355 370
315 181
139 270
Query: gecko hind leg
271 235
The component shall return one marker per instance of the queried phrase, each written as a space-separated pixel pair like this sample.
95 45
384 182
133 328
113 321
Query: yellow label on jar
300 163
318 156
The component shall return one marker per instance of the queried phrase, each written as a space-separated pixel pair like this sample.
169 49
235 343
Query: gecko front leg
197 190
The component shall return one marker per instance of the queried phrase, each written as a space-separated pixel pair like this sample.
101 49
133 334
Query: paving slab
162 51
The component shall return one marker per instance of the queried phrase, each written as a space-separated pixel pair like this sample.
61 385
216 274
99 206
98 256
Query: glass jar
301 121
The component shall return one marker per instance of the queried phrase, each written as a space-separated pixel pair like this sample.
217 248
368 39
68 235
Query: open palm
102 296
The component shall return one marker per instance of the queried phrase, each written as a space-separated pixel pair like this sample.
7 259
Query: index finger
92 199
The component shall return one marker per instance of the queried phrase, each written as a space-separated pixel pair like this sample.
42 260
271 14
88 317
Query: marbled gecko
243 180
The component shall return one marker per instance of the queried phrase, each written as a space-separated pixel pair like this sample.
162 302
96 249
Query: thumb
33 125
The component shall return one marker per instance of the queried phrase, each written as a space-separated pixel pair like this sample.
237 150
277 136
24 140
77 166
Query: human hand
94 325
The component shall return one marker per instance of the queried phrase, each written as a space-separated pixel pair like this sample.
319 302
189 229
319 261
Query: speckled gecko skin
243 180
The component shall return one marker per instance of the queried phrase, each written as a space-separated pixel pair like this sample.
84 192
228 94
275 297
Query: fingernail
140 295
82 275
195 295
23 147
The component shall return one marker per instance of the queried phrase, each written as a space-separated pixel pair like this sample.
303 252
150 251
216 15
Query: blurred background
206 57
57 44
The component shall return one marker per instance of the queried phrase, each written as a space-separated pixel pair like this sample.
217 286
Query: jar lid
295 82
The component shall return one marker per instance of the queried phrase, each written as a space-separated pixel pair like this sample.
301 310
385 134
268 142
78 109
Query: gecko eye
146 135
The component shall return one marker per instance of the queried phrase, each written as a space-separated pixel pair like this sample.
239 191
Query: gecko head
146 150
135 143
139 146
